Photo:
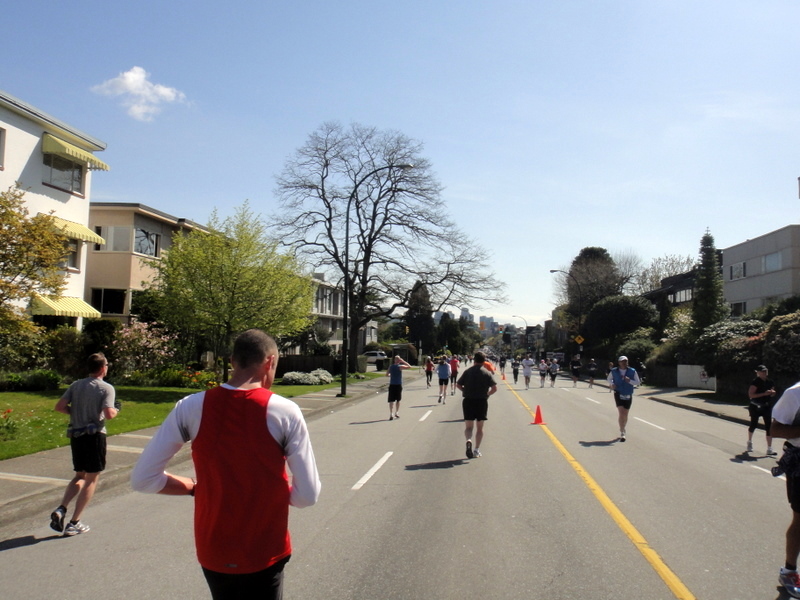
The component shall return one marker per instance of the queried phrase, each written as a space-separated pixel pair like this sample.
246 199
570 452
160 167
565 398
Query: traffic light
406 329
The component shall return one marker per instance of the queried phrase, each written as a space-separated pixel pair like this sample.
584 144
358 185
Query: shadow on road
27 540
599 443
443 464
745 457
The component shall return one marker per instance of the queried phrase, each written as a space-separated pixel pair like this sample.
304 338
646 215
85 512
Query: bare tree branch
400 232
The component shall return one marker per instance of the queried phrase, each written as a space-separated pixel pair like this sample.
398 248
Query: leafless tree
400 234
661 267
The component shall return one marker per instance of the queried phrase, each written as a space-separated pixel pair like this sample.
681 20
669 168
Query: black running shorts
89 453
624 403
395 392
475 409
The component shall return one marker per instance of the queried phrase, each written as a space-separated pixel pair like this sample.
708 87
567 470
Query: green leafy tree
220 283
708 306
592 276
31 249
419 317
614 316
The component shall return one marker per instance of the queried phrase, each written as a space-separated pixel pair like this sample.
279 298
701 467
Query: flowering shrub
172 377
8 428
142 347
317 377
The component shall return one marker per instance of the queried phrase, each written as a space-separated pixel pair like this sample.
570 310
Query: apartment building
762 270
132 236
54 163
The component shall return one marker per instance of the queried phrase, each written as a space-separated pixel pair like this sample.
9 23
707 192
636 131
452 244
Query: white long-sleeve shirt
285 423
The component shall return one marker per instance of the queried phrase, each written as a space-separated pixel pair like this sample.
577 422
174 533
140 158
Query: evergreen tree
709 302
419 318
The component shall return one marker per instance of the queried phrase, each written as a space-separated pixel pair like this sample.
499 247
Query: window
109 301
738 309
738 271
63 174
682 296
72 259
118 239
772 262
146 242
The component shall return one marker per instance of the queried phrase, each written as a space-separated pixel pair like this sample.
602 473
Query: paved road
548 512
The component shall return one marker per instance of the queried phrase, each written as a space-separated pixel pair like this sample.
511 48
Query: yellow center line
675 585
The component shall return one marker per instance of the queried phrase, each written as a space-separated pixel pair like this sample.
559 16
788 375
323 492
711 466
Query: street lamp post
346 299
580 296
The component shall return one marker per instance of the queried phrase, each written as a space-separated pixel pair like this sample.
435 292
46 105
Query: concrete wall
691 376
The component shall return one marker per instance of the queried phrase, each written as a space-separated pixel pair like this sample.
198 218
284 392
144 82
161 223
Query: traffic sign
579 339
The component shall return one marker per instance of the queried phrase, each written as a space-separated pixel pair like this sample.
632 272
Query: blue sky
628 124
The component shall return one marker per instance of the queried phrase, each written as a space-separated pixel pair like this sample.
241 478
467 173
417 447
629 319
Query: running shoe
57 520
749 447
621 436
440 399
75 528
476 453
771 452
791 581
470 454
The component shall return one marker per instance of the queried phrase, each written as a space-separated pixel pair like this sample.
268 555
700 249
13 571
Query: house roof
33 113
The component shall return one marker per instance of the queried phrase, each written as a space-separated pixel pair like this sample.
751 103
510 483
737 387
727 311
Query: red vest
241 515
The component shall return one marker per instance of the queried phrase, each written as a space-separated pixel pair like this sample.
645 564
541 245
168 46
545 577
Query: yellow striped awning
53 145
66 306
76 231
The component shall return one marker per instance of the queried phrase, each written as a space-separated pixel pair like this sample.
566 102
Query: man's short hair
96 362
252 347
479 357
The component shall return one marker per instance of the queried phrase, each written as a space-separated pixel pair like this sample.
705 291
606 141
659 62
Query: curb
706 411
42 502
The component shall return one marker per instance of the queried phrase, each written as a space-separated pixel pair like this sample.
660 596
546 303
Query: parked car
373 355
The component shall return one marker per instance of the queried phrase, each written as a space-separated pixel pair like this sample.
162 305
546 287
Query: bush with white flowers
317 377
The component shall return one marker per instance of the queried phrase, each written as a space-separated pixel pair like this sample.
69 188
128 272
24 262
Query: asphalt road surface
554 511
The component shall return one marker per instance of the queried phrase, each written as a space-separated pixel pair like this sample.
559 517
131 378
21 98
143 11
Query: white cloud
142 98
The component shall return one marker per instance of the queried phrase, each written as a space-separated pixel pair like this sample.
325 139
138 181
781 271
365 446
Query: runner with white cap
623 379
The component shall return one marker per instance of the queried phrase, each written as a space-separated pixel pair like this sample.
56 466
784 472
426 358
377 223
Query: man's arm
492 390
300 459
148 474
62 405
784 431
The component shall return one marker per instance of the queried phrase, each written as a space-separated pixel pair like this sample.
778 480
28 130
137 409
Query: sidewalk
33 484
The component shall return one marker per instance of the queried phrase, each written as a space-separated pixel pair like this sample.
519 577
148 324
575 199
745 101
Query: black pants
261 585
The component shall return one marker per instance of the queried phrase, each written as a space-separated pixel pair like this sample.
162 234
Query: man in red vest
243 436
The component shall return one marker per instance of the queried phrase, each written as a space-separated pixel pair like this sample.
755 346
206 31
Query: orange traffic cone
538 418
504 376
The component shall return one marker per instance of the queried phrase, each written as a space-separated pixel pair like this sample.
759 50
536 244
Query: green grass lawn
39 427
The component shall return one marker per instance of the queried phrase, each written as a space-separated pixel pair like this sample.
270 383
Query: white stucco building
53 162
